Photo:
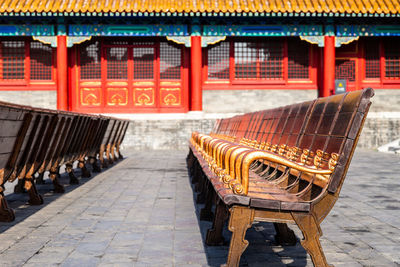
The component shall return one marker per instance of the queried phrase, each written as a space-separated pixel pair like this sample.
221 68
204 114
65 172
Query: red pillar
329 67
62 73
195 66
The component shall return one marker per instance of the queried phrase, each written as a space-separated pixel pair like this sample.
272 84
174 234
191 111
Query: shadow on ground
19 202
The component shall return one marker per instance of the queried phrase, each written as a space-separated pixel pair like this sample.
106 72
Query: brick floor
141 212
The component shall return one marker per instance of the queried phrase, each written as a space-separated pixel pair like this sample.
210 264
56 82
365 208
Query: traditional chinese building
178 56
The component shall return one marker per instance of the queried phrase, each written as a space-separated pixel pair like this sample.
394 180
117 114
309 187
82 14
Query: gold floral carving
119 97
170 99
333 161
144 99
321 159
89 97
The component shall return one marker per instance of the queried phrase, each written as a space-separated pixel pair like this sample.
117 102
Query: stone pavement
141 212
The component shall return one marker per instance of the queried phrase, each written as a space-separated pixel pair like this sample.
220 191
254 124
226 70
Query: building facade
164 56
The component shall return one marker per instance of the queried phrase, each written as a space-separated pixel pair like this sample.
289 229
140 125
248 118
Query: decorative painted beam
263 30
128 30
205 40
26 30
320 40
368 30
52 40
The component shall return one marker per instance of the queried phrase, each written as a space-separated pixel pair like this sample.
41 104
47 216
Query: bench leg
214 235
40 178
54 176
103 164
85 172
196 172
108 154
202 189
241 219
284 235
120 156
95 165
112 152
71 174
6 213
206 213
19 187
311 232
34 197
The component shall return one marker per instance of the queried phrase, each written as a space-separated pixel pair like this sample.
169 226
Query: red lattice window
218 61
170 61
246 58
372 60
345 70
90 61
259 60
392 60
271 59
41 56
12 56
143 63
117 62
298 59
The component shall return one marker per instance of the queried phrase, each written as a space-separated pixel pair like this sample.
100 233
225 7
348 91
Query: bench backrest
34 138
321 133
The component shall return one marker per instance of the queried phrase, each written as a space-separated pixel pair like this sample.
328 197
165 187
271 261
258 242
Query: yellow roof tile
187 6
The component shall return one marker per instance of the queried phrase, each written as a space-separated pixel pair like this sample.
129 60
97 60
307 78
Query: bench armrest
248 159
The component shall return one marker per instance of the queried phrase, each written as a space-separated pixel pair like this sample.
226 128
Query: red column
195 72
62 73
329 67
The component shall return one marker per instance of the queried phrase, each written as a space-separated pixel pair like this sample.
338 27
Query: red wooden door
130 77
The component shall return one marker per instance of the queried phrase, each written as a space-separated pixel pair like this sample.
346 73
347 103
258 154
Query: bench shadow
262 249
19 202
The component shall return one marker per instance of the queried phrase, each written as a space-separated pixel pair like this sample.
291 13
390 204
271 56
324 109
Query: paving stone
137 213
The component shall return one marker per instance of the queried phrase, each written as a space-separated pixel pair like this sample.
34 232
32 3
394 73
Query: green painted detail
263 30
128 30
329 30
368 30
61 30
26 30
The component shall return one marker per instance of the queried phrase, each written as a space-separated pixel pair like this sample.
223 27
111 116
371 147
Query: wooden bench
284 165
37 140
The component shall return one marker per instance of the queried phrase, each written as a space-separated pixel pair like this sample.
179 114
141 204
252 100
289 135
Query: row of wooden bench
284 165
37 140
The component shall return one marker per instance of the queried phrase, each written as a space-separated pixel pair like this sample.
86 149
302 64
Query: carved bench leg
54 176
241 219
205 213
120 156
284 235
214 235
112 152
95 165
6 213
311 232
189 160
71 174
103 163
202 186
34 197
196 172
19 187
40 178
85 172
108 154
